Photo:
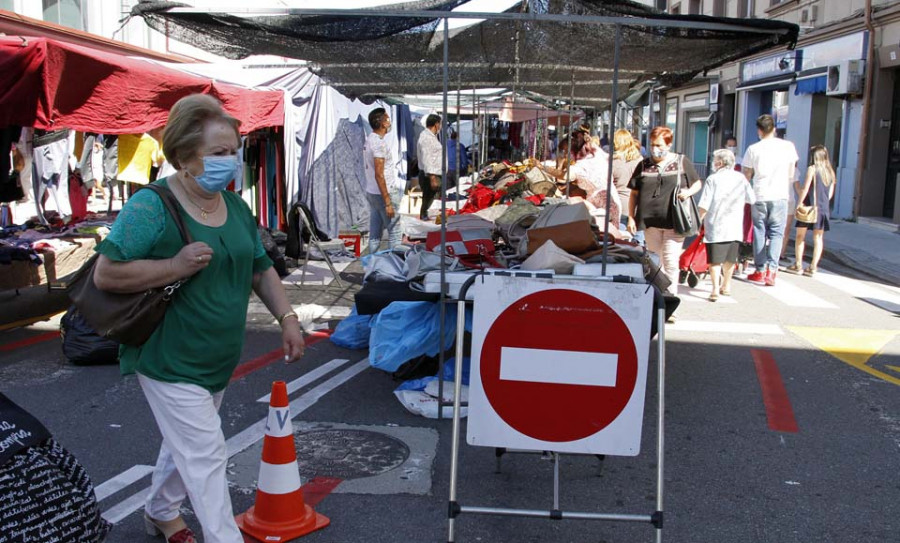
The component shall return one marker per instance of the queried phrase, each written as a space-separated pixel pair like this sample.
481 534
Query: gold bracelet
286 316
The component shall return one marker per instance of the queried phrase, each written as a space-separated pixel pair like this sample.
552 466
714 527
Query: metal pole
556 481
475 162
443 189
457 389
660 430
458 139
612 145
569 153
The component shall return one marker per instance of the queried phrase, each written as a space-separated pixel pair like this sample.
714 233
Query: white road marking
122 480
794 296
725 327
308 378
558 367
864 290
248 436
129 505
701 294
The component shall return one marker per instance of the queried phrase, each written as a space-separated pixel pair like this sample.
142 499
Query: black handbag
130 318
685 214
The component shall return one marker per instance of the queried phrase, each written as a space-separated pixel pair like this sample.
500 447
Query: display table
57 264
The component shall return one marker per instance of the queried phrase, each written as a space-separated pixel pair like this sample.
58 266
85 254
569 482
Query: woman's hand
192 258
631 226
292 340
684 194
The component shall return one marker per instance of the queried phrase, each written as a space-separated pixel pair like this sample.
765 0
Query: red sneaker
770 278
757 278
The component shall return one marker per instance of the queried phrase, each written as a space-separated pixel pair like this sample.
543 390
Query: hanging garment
137 155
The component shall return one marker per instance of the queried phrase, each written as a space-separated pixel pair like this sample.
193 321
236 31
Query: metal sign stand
456 509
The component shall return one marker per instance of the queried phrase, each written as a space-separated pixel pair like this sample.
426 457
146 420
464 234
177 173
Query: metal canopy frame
618 23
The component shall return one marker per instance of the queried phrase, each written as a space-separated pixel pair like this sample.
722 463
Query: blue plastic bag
353 332
406 330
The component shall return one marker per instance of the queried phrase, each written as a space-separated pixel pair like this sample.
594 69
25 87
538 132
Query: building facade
818 94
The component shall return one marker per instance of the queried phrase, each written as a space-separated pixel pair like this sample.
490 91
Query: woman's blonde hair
626 147
820 161
183 134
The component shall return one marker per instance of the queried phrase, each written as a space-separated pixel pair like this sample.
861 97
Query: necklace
204 213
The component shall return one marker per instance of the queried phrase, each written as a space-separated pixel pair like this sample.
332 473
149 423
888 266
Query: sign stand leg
660 429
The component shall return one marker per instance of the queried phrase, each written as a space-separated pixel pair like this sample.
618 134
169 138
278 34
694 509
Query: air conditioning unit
846 77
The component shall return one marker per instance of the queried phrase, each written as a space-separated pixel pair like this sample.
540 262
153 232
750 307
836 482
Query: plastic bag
405 330
82 345
419 396
353 332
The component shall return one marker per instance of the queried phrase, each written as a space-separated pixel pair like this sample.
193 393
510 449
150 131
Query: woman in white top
722 211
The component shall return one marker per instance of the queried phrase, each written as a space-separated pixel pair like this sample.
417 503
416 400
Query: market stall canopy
546 47
50 84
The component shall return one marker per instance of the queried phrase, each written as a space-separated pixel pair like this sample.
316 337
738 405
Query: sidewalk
865 247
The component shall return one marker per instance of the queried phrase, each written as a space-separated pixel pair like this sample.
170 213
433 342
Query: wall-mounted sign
784 63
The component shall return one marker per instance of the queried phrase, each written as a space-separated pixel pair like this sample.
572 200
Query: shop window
7 4
64 12
662 5
718 8
672 114
695 7
774 2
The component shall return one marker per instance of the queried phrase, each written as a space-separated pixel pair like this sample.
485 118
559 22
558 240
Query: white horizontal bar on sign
558 367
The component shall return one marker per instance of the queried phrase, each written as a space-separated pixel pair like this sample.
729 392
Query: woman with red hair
653 184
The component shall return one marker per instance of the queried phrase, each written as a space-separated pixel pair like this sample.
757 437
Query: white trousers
668 245
192 458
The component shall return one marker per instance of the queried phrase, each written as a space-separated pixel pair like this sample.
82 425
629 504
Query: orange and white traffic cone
280 513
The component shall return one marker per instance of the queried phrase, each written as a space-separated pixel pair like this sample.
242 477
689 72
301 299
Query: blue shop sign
784 63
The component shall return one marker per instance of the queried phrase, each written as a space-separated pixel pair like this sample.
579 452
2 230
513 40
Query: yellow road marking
895 368
855 347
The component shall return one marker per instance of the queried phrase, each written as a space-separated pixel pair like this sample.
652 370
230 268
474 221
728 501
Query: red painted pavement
269 358
775 398
28 341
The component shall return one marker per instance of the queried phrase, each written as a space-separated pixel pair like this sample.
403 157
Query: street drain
347 453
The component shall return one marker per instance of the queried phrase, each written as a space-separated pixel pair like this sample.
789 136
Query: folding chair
322 246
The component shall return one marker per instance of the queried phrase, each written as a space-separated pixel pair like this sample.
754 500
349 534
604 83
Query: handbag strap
171 203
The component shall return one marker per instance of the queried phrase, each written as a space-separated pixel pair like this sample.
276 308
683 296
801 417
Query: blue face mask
658 152
218 172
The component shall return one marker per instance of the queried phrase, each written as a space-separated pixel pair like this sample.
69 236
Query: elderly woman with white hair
722 211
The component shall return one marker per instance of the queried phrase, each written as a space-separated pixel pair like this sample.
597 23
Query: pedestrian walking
725 194
384 190
769 165
430 155
653 185
186 364
625 159
817 192
457 160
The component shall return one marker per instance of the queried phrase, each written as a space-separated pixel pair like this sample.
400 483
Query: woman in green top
186 364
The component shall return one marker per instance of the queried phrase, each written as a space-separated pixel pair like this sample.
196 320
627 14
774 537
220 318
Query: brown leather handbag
131 318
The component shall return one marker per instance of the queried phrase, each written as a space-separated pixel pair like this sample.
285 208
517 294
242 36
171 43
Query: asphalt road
782 425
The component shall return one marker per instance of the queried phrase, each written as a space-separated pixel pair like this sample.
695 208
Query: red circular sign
558 320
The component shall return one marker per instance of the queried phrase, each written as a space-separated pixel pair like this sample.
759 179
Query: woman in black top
652 185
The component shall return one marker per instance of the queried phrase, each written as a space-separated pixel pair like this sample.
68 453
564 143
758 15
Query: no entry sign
559 365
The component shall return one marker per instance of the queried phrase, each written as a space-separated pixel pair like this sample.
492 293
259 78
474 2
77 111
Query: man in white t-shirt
383 189
769 166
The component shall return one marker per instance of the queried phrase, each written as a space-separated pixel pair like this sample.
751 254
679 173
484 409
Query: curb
839 256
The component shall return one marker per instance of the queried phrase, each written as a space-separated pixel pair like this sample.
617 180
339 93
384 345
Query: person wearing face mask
383 189
731 145
186 364
652 185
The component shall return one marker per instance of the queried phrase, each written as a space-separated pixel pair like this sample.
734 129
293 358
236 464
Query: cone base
308 522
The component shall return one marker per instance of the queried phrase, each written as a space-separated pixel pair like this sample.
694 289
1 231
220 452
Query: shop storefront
793 87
